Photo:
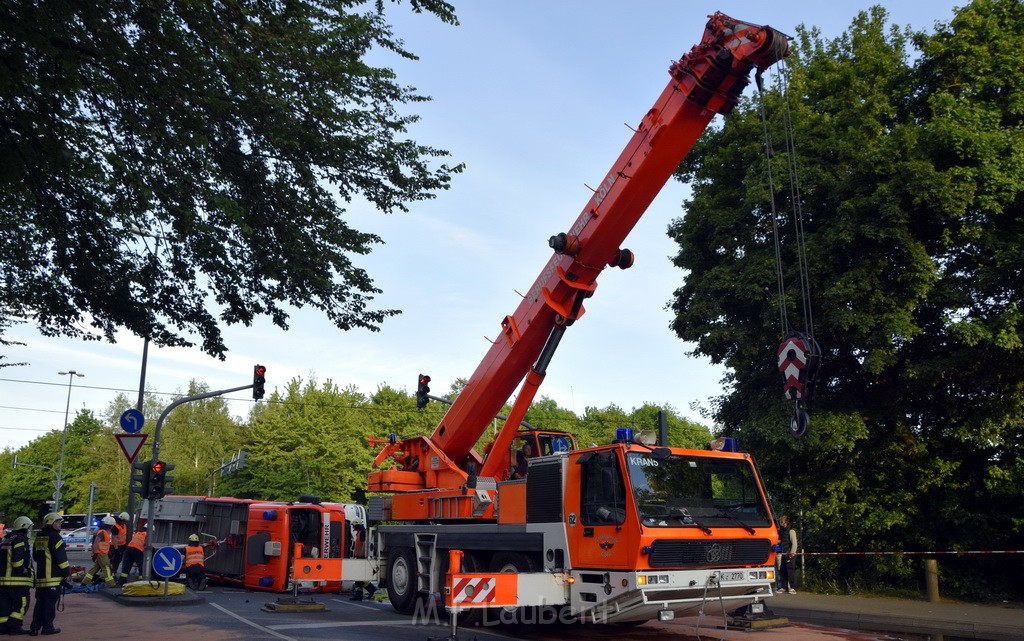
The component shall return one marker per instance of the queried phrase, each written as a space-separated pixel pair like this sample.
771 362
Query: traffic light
259 379
159 481
421 391
140 478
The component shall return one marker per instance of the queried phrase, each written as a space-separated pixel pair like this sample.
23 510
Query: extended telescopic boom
706 81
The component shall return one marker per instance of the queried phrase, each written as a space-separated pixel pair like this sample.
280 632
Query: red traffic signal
422 390
259 380
156 487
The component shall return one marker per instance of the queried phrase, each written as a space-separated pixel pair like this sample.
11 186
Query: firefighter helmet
108 520
123 516
193 538
22 523
52 518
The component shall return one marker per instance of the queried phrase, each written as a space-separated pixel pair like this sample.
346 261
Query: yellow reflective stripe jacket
51 558
15 561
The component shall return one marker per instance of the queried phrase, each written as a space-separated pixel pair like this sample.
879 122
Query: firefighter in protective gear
119 541
15 576
134 554
195 564
52 573
101 542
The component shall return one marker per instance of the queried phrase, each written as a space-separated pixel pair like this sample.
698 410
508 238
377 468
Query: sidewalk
881 614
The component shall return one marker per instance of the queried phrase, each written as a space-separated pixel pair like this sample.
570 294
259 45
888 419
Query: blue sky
534 97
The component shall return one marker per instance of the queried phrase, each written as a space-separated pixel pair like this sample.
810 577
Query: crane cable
798 213
798 216
801 350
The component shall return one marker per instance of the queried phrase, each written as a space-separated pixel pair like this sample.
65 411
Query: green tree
598 425
546 414
5 323
228 135
911 193
391 411
681 432
87 435
310 439
30 485
196 437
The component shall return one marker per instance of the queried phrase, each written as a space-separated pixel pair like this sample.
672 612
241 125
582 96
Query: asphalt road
224 613
227 613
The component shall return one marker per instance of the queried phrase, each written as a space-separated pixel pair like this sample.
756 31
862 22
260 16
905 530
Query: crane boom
706 81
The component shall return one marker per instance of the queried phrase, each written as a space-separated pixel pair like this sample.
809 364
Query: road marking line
357 605
252 623
338 624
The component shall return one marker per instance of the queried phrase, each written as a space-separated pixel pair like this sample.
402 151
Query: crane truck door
598 513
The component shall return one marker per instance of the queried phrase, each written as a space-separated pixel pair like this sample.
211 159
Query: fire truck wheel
401 575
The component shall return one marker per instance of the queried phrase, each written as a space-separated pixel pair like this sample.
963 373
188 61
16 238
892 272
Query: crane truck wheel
516 562
512 562
401 575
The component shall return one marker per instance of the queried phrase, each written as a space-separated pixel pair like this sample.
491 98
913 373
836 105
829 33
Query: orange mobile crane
623 532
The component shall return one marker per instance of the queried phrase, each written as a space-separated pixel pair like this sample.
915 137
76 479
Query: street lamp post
71 374
145 339
142 376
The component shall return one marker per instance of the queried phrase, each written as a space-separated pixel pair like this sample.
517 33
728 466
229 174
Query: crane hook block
799 357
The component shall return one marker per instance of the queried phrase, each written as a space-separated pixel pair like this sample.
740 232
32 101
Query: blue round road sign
167 562
132 421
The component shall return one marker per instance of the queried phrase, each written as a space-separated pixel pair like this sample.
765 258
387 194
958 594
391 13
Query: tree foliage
306 438
198 437
168 166
310 439
911 190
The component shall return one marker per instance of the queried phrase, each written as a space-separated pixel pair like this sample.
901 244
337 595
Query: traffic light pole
150 512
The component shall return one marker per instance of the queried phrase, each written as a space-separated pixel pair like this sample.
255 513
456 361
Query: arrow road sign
167 562
132 420
131 444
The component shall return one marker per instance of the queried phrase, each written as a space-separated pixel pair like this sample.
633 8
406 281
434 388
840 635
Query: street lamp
71 374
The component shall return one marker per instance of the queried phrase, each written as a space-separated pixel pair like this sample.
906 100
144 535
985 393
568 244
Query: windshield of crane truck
696 491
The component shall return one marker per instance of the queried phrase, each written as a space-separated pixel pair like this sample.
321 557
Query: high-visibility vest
138 541
359 544
120 534
194 555
101 542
